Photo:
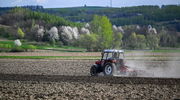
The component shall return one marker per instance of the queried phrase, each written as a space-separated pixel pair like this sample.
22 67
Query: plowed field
57 79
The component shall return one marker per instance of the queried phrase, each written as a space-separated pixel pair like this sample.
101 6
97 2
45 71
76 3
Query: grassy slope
74 49
167 51
49 57
90 58
48 47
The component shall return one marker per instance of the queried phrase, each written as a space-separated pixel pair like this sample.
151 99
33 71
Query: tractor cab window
121 56
110 55
115 55
107 56
104 55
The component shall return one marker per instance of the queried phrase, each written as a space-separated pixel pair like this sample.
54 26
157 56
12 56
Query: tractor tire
93 70
109 69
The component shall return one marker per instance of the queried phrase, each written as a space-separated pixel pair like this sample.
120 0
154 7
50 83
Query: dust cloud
169 68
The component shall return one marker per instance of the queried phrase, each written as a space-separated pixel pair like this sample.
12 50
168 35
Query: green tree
152 41
141 41
95 24
20 33
103 28
167 39
117 40
131 41
135 41
89 42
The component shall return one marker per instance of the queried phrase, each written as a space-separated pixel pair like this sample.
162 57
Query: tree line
96 35
142 15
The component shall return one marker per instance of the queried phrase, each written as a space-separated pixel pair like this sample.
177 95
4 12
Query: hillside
94 28
141 15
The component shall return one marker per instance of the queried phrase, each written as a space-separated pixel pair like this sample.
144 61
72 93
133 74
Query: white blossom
40 32
17 42
154 31
53 33
87 25
75 32
115 28
138 27
84 31
66 32
69 32
151 29
120 29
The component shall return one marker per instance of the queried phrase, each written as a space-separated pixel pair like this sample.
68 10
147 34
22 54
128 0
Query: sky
77 3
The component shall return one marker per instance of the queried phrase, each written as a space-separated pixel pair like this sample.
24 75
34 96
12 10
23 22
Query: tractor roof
113 50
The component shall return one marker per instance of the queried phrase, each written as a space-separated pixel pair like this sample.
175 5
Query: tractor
111 64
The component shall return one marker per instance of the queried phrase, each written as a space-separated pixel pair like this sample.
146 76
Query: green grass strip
167 51
50 57
81 58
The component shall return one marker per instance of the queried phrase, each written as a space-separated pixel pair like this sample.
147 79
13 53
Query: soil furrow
89 79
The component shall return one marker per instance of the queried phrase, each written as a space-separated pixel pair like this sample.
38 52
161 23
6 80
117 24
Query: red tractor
111 64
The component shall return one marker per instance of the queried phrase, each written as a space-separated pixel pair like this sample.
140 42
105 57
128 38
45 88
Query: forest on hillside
142 15
94 28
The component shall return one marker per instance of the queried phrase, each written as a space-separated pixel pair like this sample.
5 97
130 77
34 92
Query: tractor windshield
112 55
107 56
121 55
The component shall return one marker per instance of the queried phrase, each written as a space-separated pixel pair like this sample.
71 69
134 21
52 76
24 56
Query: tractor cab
112 54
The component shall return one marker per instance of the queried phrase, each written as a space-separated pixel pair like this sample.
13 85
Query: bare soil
55 79
30 90
81 67
45 66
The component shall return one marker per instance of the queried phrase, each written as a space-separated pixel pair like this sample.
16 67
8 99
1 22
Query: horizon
88 3
85 6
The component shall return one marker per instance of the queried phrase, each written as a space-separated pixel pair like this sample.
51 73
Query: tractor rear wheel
93 70
109 69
